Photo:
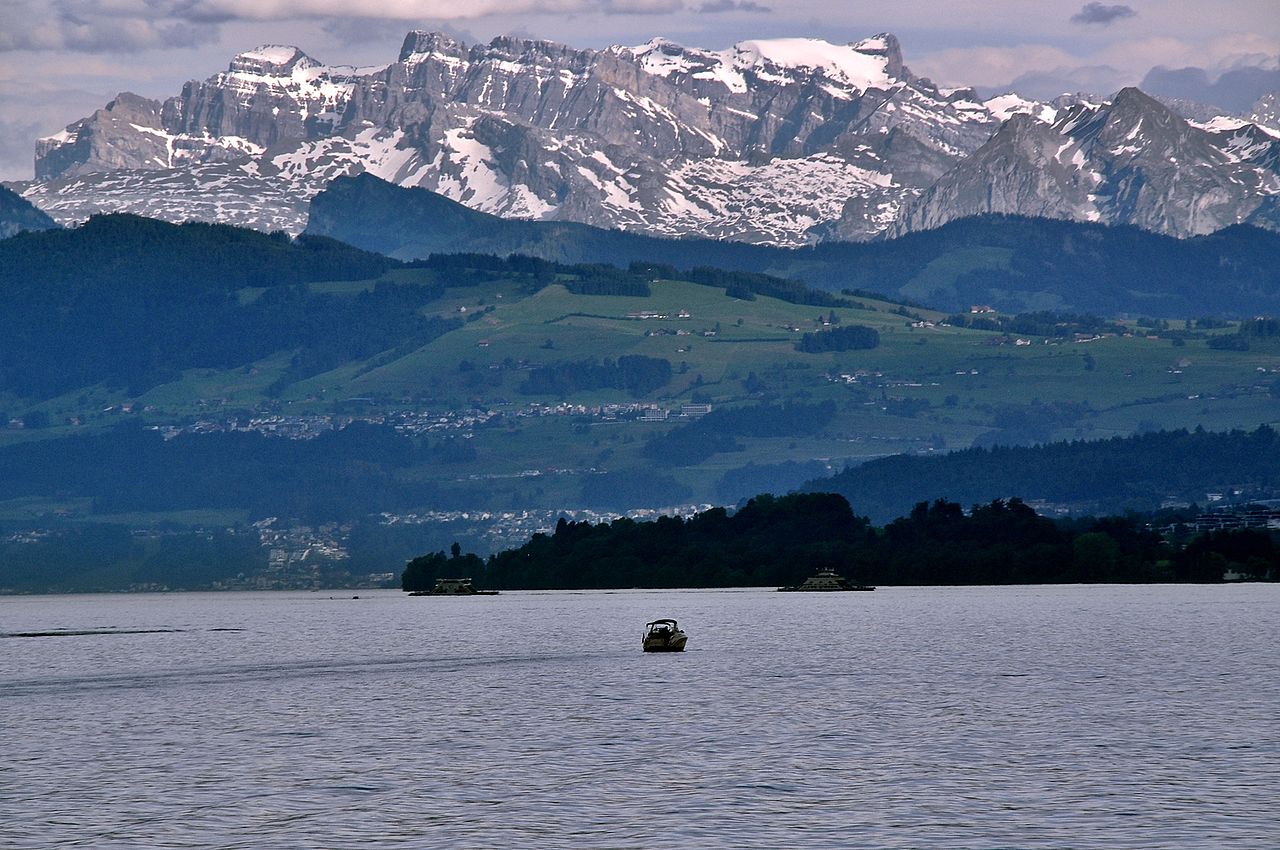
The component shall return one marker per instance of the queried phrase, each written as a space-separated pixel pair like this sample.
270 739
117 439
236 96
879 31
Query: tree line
779 541
1137 472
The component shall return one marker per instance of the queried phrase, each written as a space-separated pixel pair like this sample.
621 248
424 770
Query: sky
62 59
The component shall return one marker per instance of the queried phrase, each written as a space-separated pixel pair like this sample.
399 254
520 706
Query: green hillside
536 366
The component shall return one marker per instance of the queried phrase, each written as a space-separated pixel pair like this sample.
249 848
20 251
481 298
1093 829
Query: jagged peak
128 99
271 60
884 44
1132 97
427 42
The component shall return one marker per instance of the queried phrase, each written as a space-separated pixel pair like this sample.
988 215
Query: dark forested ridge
781 540
131 302
1014 264
1122 473
17 214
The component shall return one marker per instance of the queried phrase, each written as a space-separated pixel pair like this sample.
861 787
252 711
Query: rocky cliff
779 141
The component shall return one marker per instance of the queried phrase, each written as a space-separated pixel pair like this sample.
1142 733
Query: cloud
361 30
1101 14
1040 70
35 108
122 26
101 26
714 7
417 10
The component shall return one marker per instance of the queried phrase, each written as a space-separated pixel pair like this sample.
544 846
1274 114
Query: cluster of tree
637 374
633 281
847 338
1257 328
1138 472
1042 323
131 302
747 285
781 540
470 269
421 573
1028 424
687 445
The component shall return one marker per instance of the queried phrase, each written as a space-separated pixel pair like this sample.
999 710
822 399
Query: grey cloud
101 27
366 30
1102 14
105 26
714 7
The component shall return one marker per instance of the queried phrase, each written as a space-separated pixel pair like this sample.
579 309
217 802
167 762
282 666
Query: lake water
1031 717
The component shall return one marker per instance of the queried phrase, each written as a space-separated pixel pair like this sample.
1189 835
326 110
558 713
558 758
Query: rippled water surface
1100 717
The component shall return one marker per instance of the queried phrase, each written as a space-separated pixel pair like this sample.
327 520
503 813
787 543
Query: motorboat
664 636
824 581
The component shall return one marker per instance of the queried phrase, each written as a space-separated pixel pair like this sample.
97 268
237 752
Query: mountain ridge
786 141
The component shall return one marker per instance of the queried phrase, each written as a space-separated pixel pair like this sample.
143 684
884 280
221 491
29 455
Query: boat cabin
826 580
447 586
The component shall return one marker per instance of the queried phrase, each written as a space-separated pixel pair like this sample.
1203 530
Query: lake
1012 717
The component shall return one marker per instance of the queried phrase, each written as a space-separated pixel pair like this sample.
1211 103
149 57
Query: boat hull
671 646
825 589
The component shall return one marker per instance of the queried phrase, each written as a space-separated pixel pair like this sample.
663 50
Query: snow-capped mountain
1128 161
764 141
781 141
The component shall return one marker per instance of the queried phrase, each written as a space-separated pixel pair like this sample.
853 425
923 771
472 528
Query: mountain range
784 142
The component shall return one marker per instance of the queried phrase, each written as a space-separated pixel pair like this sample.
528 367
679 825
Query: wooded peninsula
775 541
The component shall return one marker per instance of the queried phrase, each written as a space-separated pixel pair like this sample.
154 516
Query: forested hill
412 223
128 252
17 214
1011 263
131 302
1103 476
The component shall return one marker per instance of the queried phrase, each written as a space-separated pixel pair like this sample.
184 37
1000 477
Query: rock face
1129 161
767 141
781 141
1266 111
127 133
